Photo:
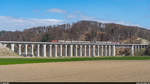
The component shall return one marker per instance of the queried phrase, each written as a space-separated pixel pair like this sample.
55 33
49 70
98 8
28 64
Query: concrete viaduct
68 49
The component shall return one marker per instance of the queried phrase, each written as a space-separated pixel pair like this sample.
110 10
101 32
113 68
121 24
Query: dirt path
78 71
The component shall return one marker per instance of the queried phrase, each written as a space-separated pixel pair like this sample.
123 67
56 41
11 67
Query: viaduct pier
68 49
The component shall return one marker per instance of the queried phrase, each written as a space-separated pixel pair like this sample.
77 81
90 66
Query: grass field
6 61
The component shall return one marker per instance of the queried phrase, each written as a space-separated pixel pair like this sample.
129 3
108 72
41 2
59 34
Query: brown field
83 71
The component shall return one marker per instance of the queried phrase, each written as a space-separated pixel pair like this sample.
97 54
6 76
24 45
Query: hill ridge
81 30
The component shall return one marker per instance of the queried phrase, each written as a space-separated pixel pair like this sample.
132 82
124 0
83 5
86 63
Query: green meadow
7 61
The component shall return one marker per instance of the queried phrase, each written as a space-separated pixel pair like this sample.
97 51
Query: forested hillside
82 30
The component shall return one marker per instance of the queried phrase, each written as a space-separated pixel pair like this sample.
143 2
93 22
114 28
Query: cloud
11 23
84 17
115 21
71 16
56 10
77 16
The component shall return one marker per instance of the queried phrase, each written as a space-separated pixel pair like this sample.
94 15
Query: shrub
147 52
141 52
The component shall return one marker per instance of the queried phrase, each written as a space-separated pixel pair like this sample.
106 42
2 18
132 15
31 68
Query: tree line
82 30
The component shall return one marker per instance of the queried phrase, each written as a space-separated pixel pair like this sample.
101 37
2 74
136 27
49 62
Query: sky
23 14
